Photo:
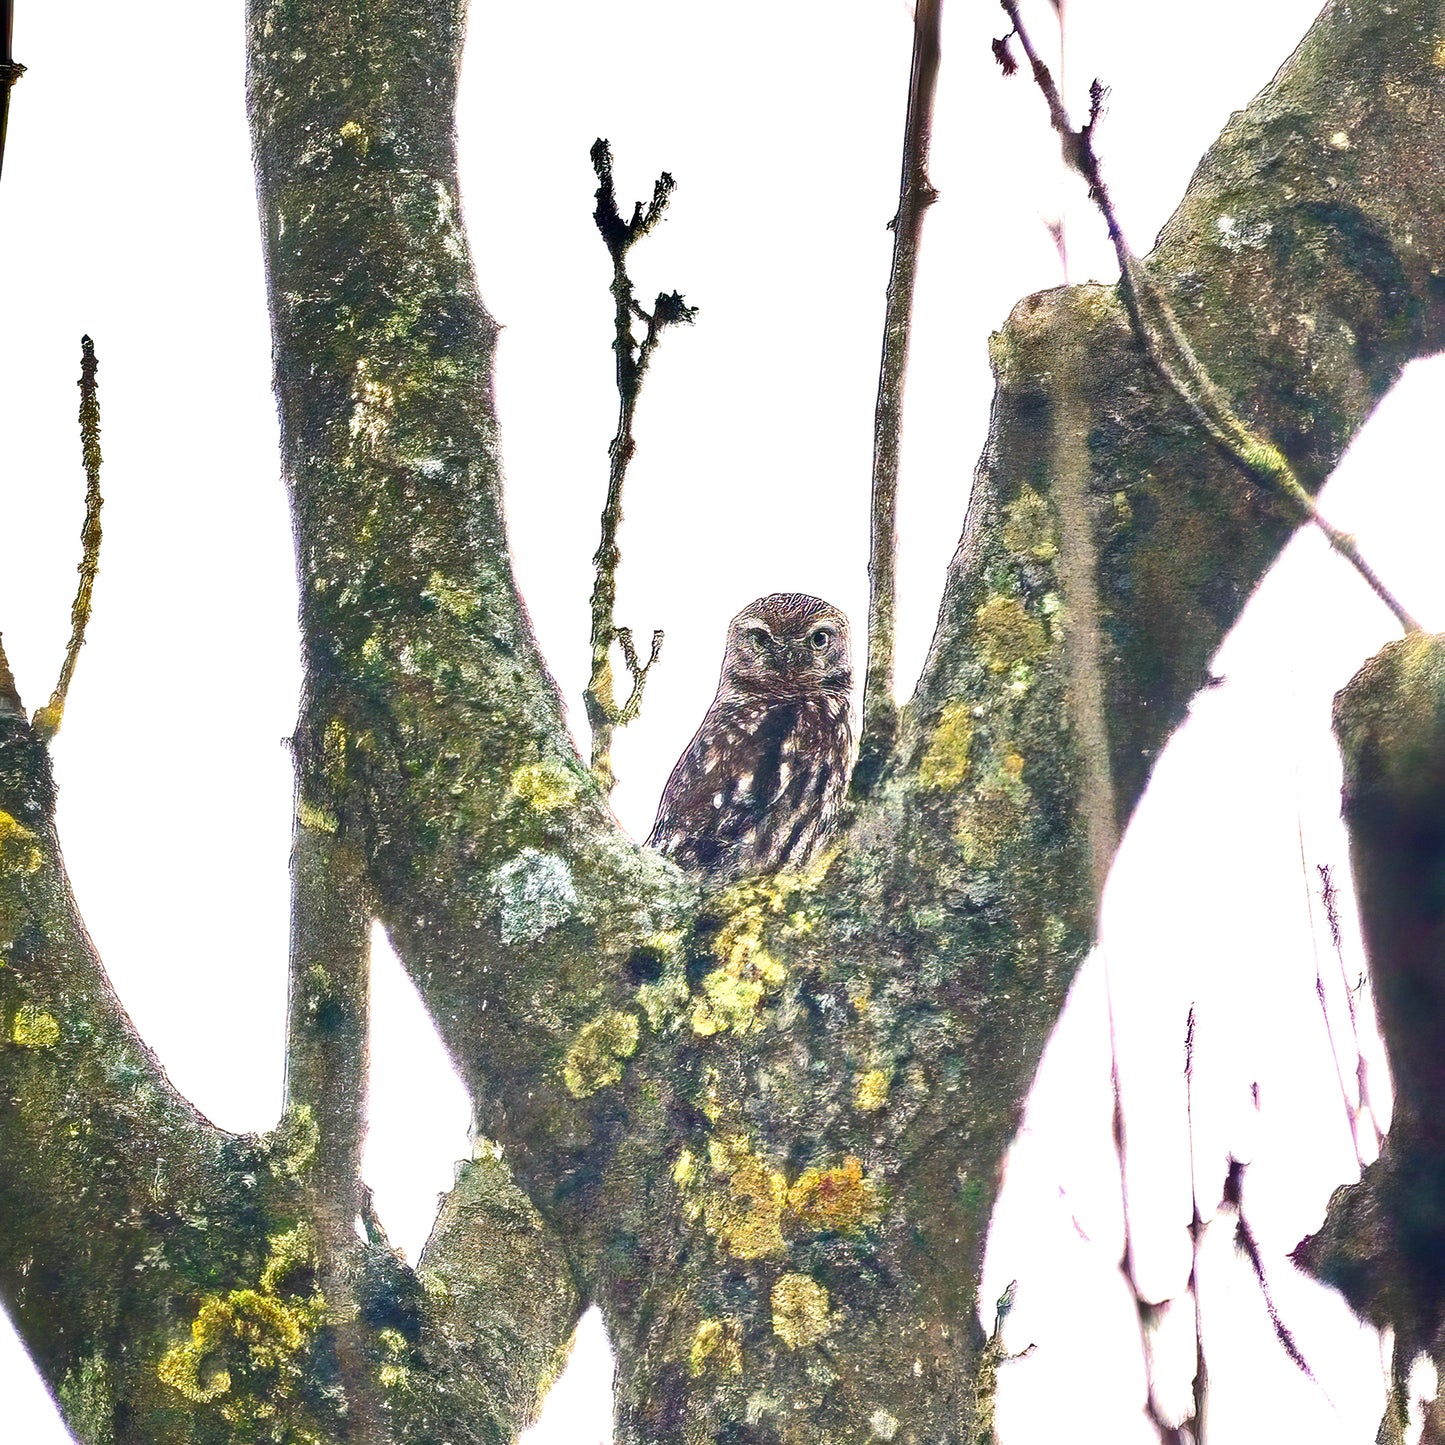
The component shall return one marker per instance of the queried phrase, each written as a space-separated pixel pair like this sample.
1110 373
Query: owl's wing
753 790
712 805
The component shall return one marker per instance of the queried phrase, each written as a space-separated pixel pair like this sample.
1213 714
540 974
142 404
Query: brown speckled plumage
759 787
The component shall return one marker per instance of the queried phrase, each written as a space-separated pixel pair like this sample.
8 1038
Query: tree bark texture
762 1129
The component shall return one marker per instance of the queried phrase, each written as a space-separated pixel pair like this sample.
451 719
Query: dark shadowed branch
48 719
10 71
633 356
915 195
1169 351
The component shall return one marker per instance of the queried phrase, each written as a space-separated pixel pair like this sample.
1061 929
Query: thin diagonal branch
633 357
916 194
1167 347
47 720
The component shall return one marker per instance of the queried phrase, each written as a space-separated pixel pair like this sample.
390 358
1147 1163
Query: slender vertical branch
10 71
328 1008
1164 342
1146 1311
47 720
916 194
633 356
1200 1383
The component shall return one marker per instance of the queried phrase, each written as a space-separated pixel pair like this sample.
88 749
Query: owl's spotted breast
759 787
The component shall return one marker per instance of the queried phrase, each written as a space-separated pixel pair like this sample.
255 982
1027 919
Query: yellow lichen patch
19 852
247 1347
945 764
244 1331
717 1345
317 819
748 972
34 1028
47 720
1013 764
840 1201
1007 635
353 133
684 1171
547 786
462 603
599 1052
392 1371
1028 529
742 1205
870 1092
290 1260
800 1311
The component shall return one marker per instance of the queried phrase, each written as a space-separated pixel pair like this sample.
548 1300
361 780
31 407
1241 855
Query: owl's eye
759 636
821 638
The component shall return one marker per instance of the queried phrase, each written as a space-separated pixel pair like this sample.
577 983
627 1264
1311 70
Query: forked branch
915 195
633 356
48 718
1163 340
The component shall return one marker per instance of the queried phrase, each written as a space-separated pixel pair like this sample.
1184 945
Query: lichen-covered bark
762 1129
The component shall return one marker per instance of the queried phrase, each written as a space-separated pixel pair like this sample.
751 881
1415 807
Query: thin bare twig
48 718
1350 1106
1200 1383
633 355
1244 1240
915 195
1329 896
1165 344
10 71
1146 1311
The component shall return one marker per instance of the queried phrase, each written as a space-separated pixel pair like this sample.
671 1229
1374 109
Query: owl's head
787 646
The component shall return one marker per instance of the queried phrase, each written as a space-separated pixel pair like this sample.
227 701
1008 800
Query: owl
760 785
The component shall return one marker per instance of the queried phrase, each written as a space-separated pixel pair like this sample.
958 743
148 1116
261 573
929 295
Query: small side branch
10 71
47 720
633 355
1164 341
915 195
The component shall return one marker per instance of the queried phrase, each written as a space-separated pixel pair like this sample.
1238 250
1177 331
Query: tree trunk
763 1129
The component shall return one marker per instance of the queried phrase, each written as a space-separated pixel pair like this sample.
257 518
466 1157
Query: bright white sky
128 212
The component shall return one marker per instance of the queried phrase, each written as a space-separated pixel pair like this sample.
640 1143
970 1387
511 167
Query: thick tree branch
1168 348
771 1134
915 195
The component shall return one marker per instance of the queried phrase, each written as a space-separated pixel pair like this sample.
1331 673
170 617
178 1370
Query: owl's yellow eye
821 638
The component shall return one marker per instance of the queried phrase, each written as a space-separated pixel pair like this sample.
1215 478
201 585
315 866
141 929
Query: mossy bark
764 1129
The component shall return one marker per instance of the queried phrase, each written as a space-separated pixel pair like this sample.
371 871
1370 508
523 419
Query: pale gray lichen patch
534 893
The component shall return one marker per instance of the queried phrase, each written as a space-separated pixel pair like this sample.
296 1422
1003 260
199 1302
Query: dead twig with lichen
48 718
915 195
633 354
1163 339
